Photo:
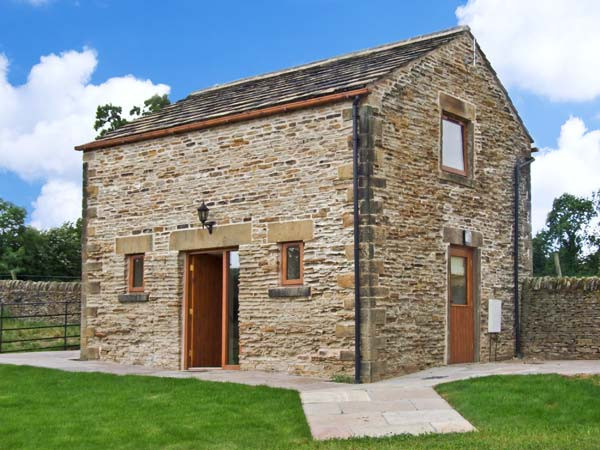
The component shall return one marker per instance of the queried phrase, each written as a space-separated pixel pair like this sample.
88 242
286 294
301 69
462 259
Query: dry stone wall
49 296
561 318
283 168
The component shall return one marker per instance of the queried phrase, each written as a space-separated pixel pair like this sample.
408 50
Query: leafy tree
109 117
570 231
12 224
25 250
32 254
63 247
151 105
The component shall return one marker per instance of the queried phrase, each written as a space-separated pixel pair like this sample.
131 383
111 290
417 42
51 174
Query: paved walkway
406 404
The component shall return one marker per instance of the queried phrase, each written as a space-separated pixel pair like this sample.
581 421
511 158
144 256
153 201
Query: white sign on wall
494 316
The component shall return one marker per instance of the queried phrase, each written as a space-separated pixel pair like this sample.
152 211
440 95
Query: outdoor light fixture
203 216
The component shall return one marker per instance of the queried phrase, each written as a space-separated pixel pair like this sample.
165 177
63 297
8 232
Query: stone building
351 216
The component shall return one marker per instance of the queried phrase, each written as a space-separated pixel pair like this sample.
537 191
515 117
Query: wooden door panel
462 311
205 329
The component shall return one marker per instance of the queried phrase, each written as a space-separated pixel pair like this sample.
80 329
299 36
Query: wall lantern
203 216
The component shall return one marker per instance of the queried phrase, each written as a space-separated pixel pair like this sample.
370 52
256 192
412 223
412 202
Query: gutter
231 118
518 166
357 321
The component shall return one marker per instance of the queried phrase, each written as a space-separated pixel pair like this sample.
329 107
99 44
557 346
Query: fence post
1 320
66 310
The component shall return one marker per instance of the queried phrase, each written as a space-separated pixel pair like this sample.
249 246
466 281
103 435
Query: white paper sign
494 316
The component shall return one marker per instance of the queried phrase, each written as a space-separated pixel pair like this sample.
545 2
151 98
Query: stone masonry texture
297 166
561 318
279 169
410 202
41 297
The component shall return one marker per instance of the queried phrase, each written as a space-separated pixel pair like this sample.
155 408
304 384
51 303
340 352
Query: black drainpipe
518 166
357 359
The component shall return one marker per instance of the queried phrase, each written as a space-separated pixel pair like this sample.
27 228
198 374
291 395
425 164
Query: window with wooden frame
135 273
292 263
454 144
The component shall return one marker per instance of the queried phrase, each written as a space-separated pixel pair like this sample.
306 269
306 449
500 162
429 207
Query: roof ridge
423 37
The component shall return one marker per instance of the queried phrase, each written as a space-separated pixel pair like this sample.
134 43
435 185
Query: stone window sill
289 291
459 179
133 298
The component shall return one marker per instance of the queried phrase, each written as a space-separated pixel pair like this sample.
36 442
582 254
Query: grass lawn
42 408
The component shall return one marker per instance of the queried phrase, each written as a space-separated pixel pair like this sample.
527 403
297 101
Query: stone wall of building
298 167
415 210
288 167
560 318
41 298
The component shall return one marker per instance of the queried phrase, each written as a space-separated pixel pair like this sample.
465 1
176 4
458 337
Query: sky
59 59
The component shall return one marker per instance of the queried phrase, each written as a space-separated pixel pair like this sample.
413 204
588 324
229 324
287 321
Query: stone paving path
406 404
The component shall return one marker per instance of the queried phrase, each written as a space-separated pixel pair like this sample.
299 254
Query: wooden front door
462 312
205 288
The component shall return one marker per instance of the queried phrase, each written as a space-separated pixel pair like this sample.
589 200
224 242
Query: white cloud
550 48
58 202
573 167
42 120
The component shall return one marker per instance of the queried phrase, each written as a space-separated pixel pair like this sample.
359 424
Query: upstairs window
292 263
136 273
454 148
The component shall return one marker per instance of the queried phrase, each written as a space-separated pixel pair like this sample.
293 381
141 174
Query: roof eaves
222 120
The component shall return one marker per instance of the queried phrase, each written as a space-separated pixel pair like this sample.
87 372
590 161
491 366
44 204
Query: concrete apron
406 404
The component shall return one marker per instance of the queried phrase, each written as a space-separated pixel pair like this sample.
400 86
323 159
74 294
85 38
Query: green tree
570 231
109 117
151 105
63 249
12 224
32 253
37 253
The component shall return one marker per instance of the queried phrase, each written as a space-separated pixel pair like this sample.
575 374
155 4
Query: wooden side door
204 331
462 311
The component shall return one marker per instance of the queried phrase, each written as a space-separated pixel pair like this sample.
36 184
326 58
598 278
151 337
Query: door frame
224 313
476 299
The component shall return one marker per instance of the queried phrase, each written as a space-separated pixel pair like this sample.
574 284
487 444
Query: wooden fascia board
232 118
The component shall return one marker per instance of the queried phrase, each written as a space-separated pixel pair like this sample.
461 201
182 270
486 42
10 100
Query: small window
458 280
454 145
136 273
292 263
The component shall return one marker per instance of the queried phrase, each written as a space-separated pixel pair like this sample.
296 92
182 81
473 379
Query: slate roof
330 76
